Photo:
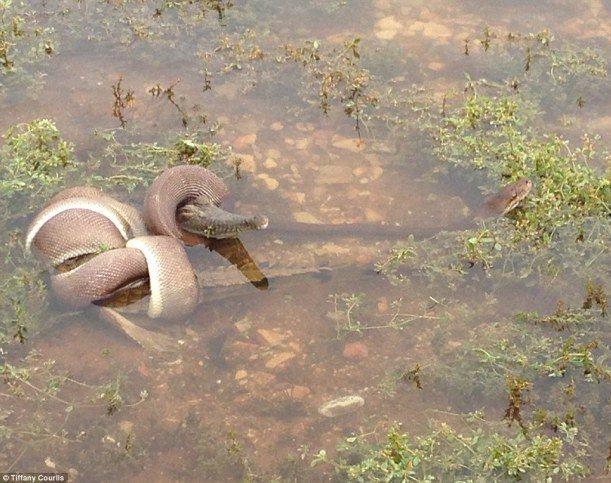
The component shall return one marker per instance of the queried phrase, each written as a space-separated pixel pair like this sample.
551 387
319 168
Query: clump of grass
34 163
34 160
337 76
540 49
21 41
518 389
491 132
596 296
136 164
352 314
481 451
523 348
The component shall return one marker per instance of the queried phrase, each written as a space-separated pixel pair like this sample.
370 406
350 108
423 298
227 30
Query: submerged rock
340 406
355 350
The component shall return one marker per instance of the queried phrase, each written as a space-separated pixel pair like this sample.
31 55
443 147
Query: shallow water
253 366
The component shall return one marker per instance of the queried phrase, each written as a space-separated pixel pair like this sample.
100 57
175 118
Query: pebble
297 197
272 153
373 215
307 127
271 337
244 141
271 183
364 258
355 350
279 360
300 392
340 406
376 172
269 163
354 145
49 462
305 217
241 374
302 144
388 23
383 305
330 249
335 174
386 34
262 380
431 30
276 126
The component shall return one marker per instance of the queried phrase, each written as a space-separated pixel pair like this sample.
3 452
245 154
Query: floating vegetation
338 76
471 450
492 133
561 62
22 41
518 390
168 92
138 163
286 81
123 100
350 315
33 162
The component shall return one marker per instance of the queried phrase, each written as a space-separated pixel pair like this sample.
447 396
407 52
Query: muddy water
258 364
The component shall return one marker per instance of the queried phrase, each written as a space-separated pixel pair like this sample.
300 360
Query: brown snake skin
125 246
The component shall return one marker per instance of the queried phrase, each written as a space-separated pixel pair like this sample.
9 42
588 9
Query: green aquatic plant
34 163
475 450
561 61
26 40
351 313
337 75
20 40
550 371
523 348
492 133
34 160
136 164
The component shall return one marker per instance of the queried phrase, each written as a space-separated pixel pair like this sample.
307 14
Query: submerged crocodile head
210 221
505 200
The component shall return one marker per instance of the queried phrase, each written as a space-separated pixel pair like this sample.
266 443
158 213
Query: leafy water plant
560 61
564 219
26 40
138 163
337 75
351 313
473 450
33 161
491 133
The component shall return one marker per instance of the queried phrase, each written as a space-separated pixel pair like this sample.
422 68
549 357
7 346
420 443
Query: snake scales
116 245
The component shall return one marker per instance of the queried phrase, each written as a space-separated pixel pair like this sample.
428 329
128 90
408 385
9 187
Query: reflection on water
240 397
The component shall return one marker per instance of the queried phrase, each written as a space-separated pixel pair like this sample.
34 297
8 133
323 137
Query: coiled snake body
103 246
115 245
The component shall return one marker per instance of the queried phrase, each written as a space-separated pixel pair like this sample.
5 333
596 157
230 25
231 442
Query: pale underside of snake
101 245
105 248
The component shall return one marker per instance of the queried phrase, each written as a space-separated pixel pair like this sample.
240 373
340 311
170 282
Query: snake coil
120 246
